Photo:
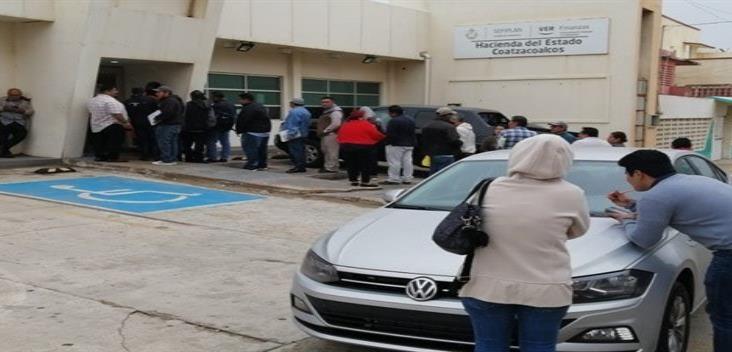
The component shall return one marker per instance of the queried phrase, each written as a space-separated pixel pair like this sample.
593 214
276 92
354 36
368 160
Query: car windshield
449 188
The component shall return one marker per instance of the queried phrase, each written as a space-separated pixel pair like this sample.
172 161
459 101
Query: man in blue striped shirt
516 132
697 206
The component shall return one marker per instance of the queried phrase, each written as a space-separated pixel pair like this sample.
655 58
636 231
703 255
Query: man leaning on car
695 205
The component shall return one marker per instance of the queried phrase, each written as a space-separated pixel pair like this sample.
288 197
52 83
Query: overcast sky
696 12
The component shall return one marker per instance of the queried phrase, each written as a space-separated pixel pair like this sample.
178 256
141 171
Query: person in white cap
560 129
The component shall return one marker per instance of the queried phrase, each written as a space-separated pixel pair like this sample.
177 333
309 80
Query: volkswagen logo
422 289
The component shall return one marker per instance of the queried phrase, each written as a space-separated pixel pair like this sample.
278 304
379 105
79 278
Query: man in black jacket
168 125
254 126
401 138
225 113
440 140
138 107
196 128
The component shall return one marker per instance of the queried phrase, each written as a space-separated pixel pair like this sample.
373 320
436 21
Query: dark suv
482 120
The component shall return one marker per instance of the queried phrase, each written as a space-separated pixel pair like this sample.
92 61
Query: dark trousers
718 283
493 324
168 143
194 144
358 161
145 139
296 148
10 135
108 142
439 162
255 149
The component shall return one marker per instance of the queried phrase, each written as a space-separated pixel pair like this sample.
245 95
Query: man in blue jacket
697 206
294 131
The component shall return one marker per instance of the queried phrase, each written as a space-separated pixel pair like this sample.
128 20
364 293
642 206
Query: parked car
482 120
352 285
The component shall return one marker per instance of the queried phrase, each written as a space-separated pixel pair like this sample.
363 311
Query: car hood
400 240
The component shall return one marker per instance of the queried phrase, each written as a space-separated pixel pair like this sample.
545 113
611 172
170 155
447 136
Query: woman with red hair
358 139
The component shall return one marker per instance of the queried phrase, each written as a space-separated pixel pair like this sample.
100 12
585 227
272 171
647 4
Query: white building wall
7 56
24 10
596 90
352 26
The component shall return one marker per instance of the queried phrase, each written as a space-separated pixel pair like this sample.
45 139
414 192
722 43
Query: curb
339 194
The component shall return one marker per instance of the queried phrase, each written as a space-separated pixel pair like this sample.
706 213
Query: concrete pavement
207 279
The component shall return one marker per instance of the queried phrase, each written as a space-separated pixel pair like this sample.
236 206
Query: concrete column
294 73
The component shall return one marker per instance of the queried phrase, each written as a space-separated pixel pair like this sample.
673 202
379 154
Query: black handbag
461 232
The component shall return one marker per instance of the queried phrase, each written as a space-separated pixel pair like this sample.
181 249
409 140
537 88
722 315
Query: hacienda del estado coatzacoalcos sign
550 38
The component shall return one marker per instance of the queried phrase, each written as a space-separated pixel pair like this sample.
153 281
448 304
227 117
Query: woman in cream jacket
524 273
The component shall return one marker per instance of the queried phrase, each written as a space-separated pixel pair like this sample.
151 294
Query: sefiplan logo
471 34
422 289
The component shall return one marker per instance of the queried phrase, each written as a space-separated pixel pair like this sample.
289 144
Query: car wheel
674 335
313 156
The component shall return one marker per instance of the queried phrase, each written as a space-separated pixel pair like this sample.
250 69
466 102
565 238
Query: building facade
507 56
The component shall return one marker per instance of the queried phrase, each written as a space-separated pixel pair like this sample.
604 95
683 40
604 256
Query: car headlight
318 269
611 286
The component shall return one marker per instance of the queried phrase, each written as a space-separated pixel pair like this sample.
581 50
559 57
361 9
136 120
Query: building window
266 89
347 94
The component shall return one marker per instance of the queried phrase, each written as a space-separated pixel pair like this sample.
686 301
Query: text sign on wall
552 38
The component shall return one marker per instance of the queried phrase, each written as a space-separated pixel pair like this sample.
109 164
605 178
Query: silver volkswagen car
380 281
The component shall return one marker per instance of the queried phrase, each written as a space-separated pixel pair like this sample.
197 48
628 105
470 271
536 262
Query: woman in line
358 139
371 117
524 273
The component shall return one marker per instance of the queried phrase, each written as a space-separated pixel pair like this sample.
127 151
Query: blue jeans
439 162
167 137
493 325
296 147
718 283
221 137
255 149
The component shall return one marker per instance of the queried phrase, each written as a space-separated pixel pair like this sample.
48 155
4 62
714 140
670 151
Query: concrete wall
598 90
352 26
24 10
710 71
675 34
675 107
83 33
7 56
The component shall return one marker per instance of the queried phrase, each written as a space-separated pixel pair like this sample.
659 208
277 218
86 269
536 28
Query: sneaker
389 182
326 171
262 169
355 183
368 185
407 182
223 160
162 163
249 168
295 171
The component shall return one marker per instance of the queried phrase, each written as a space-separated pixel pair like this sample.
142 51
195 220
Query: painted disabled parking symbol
124 194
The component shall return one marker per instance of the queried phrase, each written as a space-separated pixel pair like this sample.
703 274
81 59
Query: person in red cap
358 139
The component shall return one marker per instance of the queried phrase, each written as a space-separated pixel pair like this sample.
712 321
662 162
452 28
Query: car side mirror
392 195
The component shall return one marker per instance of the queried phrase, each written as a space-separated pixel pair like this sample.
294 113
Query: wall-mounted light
113 61
369 59
245 46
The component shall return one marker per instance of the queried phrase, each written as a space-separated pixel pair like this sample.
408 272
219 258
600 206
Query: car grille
453 328
395 321
445 289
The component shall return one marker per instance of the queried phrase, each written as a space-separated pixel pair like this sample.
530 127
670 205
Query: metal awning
727 100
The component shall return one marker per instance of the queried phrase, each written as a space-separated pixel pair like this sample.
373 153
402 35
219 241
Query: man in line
295 127
225 112
254 126
138 107
167 130
15 110
697 206
516 132
682 143
467 136
400 141
108 123
560 129
589 137
440 140
328 124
